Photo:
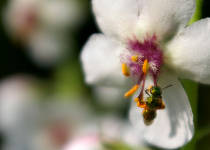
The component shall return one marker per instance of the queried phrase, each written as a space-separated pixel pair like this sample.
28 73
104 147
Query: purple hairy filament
144 58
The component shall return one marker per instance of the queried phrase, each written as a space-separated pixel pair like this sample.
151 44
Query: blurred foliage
116 146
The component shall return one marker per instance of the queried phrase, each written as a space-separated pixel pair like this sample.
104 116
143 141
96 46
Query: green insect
153 103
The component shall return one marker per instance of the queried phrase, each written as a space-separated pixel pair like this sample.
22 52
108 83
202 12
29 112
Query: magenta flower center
143 58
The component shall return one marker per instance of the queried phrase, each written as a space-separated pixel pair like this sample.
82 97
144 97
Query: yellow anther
145 66
134 58
125 70
137 100
141 105
138 104
132 91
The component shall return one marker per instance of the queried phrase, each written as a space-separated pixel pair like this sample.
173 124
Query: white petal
110 96
173 126
84 143
101 62
189 52
116 17
48 48
59 14
164 17
18 97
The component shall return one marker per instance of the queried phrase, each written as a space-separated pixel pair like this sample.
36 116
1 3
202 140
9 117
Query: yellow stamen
134 58
145 66
138 104
141 105
125 70
137 99
132 90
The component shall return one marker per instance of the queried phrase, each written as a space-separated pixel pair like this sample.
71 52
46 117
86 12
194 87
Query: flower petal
165 17
189 52
116 17
90 142
60 14
101 62
48 48
110 96
173 126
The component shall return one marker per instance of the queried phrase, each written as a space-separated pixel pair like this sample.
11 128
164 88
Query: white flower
42 26
31 120
55 130
90 142
154 45
109 96
18 103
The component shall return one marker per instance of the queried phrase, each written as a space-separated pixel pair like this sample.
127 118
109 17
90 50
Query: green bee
153 103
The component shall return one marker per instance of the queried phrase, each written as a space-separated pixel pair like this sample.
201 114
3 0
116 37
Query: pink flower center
139 52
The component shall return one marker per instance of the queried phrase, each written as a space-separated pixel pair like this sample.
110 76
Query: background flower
43 27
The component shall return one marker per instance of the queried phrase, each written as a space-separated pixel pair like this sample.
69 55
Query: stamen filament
132 90
141 95
125 70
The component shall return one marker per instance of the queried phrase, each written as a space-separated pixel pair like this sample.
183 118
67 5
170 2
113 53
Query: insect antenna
168 86
146 91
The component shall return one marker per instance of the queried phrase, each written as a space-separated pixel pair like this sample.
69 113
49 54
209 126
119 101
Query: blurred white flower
32 120
108 130
19 111
43 27
91 142
48 48
61 120
16 96
150 41
108 96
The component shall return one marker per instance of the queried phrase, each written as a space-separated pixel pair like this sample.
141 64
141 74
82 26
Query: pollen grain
134 58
